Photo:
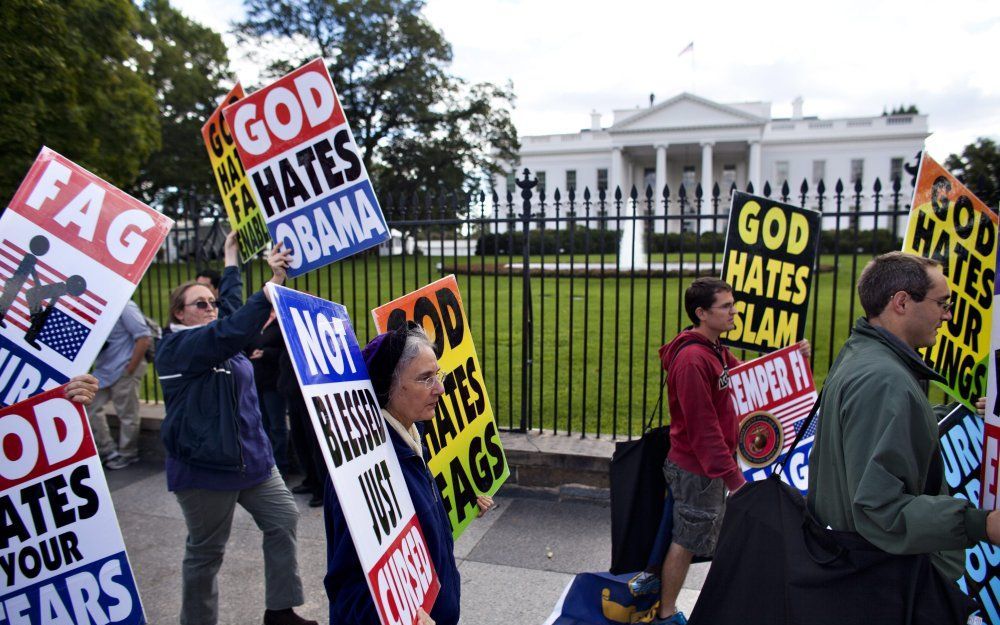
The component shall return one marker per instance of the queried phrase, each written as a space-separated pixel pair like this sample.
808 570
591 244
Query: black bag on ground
637 490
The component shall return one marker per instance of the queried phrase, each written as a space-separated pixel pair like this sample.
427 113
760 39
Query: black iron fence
568 295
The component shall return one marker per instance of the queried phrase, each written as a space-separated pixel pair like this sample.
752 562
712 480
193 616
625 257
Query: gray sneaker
119 461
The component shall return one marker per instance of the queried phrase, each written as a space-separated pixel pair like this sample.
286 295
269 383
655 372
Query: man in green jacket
875 467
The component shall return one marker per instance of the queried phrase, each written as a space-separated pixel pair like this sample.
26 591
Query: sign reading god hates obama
306 169
62 558
950 224
466 457
241 208
354 438
72 250
769 261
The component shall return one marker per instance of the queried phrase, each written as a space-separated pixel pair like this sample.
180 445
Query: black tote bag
637 491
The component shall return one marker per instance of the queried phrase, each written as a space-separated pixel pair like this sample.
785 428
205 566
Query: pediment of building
685 111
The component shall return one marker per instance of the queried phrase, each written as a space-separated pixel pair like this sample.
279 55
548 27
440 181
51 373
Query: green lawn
594 364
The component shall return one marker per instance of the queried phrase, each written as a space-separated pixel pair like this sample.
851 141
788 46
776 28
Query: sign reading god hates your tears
769 261
306 169
364 469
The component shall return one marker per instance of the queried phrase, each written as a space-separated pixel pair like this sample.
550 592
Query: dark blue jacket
350 600
204 425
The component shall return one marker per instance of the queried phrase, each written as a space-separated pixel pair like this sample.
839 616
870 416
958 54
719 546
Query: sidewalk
515 562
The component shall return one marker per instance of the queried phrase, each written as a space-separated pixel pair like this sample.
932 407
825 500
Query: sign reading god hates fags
467 459
72 250
241 207
306 169
62 557
769 261
950 224
354 438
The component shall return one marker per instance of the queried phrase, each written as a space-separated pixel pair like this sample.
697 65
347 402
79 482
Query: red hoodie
703 425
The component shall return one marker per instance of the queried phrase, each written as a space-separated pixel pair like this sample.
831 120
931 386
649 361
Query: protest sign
961 434
466 457
72 250
241 207
948 223
602 599
769 261
306 169
62 557
773 395
363 466
990 498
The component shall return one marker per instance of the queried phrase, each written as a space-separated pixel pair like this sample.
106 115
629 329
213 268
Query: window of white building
602 179
780 173
857 171
896 169
819 172
689 179
570 180
540 175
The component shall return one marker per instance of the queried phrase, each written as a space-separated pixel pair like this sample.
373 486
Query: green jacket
876 437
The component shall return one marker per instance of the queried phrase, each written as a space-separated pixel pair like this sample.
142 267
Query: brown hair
701 294
890 273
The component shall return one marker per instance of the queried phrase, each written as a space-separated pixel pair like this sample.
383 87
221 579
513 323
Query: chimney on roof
797 108
652 98
595 120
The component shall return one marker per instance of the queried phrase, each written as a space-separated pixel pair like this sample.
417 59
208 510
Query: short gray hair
888 274
415 339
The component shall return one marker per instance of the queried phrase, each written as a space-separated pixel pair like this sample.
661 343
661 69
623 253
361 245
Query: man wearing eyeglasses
876 466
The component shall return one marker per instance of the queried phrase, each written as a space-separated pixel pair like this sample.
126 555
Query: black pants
306 444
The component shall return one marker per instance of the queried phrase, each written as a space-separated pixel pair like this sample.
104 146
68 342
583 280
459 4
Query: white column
661 181
754 173
706 184
617 176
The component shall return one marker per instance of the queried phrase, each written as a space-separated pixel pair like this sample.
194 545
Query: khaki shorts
699 505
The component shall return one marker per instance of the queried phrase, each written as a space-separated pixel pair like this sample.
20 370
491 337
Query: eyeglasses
945 303
726 307
204 304
433 379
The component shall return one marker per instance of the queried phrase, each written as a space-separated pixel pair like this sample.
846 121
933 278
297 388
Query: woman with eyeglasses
217 452
404 372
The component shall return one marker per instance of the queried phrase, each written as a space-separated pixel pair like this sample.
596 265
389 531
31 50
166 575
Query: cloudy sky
849 58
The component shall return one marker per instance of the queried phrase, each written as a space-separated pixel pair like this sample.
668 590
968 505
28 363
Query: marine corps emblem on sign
761 439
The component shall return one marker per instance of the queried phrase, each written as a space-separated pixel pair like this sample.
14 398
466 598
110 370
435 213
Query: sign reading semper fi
773 395
241 208
950 224
306 169
363 466
62 558
72 250
467 459
769 260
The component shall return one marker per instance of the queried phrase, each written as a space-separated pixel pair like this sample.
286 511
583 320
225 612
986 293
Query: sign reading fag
363 466
773 395
62 558
466 457
306 169
241 208
72 250
948 223
769 260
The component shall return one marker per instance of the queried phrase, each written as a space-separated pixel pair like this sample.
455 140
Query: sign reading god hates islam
62 557
769 261
363 466
950 224
773 395
72 250
306 169
241 208
466 457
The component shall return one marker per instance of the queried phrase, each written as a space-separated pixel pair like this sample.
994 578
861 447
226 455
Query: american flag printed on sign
792 415
69 324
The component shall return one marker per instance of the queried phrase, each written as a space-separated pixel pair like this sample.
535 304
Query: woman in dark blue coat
407 381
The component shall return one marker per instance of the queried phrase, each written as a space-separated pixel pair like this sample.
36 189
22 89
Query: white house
689 139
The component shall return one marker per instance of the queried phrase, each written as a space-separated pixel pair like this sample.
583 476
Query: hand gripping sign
948 223
72 250
769 260
306 169
466 457
363 466
773 395
62 558
244 215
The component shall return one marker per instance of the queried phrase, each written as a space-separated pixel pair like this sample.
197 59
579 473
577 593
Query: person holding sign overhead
217 452
404 372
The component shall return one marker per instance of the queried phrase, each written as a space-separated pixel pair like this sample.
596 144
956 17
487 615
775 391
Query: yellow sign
950 224
466 457
241 208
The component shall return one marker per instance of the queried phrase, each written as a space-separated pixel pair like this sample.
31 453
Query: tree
70 80
419 127
978 167
187 66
